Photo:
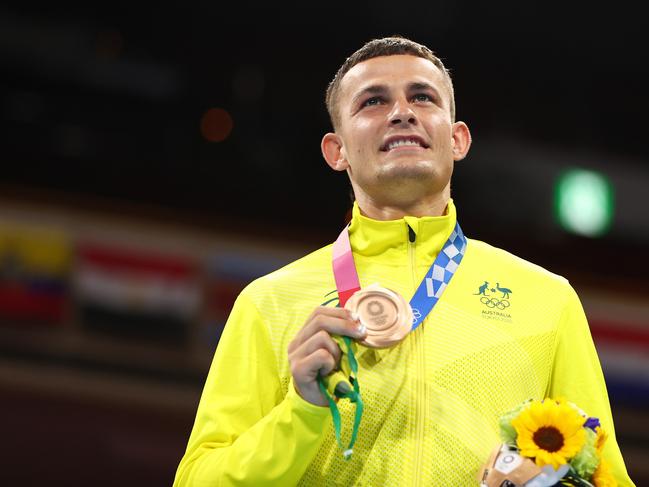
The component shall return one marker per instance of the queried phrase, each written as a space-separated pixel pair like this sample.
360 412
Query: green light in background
584 202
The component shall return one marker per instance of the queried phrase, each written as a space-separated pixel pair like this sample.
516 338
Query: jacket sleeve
577 376
246 432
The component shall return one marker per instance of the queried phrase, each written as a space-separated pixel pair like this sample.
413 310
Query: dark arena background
158 157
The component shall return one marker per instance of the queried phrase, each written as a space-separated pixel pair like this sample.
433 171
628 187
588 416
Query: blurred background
157 158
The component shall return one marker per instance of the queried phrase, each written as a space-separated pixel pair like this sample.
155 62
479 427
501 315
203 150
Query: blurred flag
136 291
34 274
623 349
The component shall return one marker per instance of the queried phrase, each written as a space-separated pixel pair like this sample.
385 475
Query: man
433 400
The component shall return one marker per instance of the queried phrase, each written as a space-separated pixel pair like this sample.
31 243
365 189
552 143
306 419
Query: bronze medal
386 315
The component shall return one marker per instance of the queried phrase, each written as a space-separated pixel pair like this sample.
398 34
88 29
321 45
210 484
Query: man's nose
402 113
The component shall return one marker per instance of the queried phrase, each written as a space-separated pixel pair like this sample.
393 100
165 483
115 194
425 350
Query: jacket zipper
420 391
412 241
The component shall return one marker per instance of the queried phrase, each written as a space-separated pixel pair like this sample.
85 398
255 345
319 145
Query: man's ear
461 140
334 152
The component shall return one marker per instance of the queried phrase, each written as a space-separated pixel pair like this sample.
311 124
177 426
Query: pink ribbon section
344 269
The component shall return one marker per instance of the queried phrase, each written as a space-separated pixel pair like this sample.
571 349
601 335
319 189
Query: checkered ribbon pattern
439 276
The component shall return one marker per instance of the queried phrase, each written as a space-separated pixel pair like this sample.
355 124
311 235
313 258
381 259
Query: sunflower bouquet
548 443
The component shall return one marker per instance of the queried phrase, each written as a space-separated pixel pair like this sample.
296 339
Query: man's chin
403 171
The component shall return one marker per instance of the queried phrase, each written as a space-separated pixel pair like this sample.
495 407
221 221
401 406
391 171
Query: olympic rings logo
416 314
494 302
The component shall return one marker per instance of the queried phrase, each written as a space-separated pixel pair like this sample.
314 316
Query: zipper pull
411 234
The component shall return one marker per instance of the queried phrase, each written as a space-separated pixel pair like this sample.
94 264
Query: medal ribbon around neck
431 287
424 300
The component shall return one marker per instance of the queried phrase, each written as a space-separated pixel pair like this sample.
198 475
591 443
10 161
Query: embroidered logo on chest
495 301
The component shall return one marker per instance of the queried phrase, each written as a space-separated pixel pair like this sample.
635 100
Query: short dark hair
387 46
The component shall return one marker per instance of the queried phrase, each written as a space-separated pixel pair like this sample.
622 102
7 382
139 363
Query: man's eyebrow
415 86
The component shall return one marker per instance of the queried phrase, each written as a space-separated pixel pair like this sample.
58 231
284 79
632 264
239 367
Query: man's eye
375 100
422 97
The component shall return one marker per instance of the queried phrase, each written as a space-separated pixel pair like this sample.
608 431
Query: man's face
395 124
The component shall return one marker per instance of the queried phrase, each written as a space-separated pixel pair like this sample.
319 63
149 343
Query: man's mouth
403 141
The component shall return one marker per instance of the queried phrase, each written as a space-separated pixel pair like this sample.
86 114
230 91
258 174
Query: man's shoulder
497 257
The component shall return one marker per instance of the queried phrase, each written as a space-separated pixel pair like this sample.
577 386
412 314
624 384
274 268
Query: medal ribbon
346 284
354 396
424 300
431 287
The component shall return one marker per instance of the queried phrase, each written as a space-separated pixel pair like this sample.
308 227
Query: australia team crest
496 300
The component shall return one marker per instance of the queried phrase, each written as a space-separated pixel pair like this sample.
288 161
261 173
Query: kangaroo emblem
482 289
503 290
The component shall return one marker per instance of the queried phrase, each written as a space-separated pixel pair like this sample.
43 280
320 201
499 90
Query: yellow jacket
504 331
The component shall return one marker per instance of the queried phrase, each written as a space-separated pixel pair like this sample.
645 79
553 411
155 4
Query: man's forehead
395 69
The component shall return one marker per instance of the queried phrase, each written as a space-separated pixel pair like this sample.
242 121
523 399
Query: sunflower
551 432
602 476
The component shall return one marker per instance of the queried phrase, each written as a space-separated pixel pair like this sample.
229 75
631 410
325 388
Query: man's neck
431 206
